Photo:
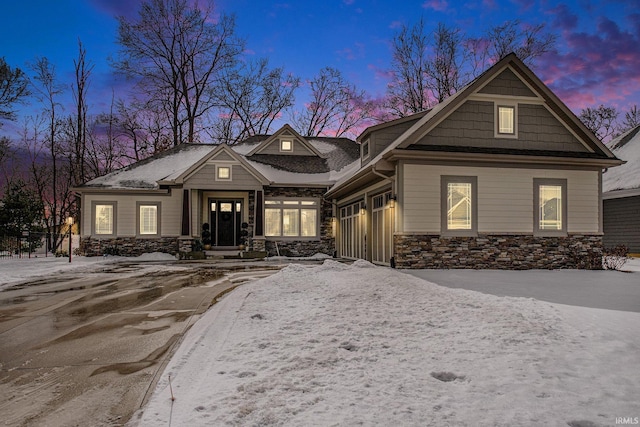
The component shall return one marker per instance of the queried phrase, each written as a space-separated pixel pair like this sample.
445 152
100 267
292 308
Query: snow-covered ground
361 345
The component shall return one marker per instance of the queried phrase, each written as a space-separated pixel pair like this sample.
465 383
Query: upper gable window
365 150
223 173
286 145
506 125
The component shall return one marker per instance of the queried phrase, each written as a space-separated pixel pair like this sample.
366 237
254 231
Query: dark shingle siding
621 223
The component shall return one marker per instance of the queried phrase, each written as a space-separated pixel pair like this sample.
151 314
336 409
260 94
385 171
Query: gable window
459 202
148 219
286 145
365 150
223 173
506 121
550 206
291 218
104 218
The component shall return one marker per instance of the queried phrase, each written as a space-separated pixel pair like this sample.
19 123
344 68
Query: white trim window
286 145
291 218
550 206
459 201
365 149
104 218
223 173
506 125
148 219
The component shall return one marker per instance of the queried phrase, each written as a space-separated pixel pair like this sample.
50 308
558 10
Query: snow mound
345 345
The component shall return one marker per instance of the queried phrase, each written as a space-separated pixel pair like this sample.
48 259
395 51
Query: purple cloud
564 19
597 68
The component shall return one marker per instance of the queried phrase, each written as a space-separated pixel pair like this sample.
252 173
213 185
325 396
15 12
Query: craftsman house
500 175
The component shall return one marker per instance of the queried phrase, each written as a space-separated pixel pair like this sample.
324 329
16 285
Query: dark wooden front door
226 220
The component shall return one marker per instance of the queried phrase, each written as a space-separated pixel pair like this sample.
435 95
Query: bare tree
82 74
51 174
408 91
14 87
528 42
177 50
446 65
631 119
250 99
336 108
601 121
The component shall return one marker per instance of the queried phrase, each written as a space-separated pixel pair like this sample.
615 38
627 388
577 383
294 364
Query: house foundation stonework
128 246
504 252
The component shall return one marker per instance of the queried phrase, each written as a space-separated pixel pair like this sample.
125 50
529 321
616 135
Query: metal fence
32 245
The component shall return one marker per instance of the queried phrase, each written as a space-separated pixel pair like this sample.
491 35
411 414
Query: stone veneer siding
287 247
505 252
128 246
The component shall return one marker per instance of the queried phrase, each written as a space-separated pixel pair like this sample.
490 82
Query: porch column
186 214
259 242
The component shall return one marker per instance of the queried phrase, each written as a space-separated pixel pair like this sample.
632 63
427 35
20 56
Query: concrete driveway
85 348
612 290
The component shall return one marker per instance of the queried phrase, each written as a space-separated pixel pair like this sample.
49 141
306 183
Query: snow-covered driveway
364 345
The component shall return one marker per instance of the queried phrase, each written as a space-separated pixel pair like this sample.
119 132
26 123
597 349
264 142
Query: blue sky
597 59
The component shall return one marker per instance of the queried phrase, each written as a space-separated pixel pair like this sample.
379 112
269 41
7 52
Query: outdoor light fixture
70 224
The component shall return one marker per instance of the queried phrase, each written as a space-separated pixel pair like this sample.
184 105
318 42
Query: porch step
221 254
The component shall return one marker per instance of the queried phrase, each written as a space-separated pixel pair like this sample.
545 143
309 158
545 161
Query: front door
226 220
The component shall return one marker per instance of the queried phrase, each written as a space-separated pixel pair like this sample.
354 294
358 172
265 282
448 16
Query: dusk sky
596 61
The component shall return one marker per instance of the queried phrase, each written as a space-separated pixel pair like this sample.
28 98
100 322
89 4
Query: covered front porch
222 220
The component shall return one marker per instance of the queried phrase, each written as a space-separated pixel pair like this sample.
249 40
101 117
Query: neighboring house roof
595 152
624 180
336 157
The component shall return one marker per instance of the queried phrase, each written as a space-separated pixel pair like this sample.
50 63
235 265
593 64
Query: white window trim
218 167
444 195
562 183
139 205
282 149
280 203
496 126
368 150
94 206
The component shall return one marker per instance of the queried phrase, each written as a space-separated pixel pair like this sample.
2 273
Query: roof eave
400 154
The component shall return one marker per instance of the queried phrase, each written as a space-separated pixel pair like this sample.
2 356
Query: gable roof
624 180
285 129
147 173
598 154
217 151
339 157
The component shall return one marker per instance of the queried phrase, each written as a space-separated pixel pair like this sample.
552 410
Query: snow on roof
625 177
170 164
146 173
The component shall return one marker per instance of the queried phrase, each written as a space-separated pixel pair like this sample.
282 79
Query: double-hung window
550 206
459 203
291 218
104 218
148 219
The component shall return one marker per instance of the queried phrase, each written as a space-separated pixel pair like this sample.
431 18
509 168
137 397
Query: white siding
505 198
126 215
